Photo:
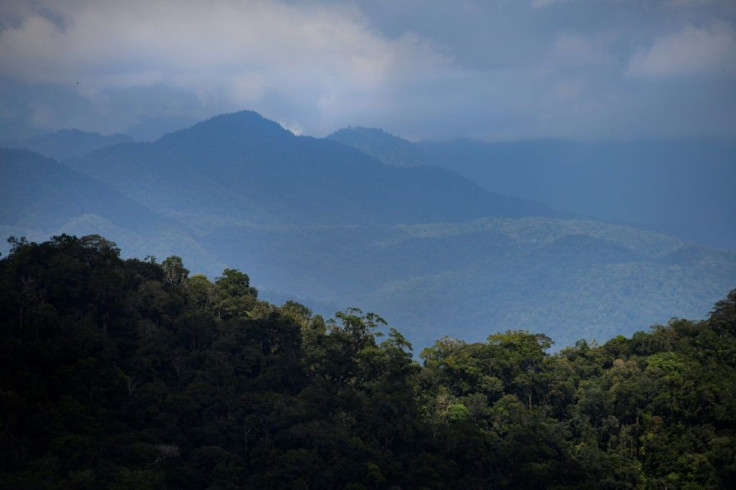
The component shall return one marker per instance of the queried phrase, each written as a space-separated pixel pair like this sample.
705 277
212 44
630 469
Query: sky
421 69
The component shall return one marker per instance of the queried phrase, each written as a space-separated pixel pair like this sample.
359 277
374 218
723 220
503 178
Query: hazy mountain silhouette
39 192
386 147
42 197
327 224
243 167
679 187
68 143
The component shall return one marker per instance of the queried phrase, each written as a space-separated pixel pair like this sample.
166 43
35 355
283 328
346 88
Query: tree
174 271
237 297
521 354
235 283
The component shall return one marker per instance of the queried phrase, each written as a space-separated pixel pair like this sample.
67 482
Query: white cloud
694 52
487 67
228 53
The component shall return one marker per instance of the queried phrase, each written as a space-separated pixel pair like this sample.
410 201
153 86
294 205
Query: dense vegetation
316 221
133 374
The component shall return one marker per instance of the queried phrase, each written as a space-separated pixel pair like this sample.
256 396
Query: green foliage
132 374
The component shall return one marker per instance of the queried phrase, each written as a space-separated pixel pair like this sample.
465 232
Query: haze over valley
367 244
331 225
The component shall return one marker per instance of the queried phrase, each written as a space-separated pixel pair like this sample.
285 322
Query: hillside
41 197
69 143
242 167
324 223
572 279
678 187
377 143
120 374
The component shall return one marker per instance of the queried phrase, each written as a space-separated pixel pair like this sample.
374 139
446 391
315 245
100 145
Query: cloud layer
490 69
699 52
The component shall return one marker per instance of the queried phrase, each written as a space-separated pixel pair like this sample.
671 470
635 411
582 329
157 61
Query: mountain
326 224
152 128
242 167
679 187
70 143
39 192
377 143
41 197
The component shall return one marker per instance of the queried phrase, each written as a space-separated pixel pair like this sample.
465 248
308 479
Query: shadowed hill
677 187
69 143
40 197
386 147
244 167
42 193
316 220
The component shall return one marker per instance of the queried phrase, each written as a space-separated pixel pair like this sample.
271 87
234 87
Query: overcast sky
491 69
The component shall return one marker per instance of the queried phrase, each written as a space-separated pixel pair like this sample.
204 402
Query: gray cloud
700 52
496 69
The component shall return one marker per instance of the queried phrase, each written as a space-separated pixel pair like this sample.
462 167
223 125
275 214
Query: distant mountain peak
233 126
381 145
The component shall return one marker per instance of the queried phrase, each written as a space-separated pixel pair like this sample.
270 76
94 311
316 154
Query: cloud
576 50
538 4
230 54
694 52
690 2
489 68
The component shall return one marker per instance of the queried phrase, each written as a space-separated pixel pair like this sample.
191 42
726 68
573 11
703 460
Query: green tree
237 297
174 271
520 356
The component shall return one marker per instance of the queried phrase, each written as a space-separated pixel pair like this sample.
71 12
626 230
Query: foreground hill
318 221
121 374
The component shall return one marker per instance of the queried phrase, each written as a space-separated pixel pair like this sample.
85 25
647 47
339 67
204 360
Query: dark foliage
133 374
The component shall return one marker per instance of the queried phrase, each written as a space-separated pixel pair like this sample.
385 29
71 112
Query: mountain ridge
265 160
42 197
434 253
386 147
678 187
68 143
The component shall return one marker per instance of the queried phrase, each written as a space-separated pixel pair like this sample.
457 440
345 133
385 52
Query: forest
133 373
354 219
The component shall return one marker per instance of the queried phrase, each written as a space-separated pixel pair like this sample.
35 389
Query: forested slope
242 167
133 374
322 223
